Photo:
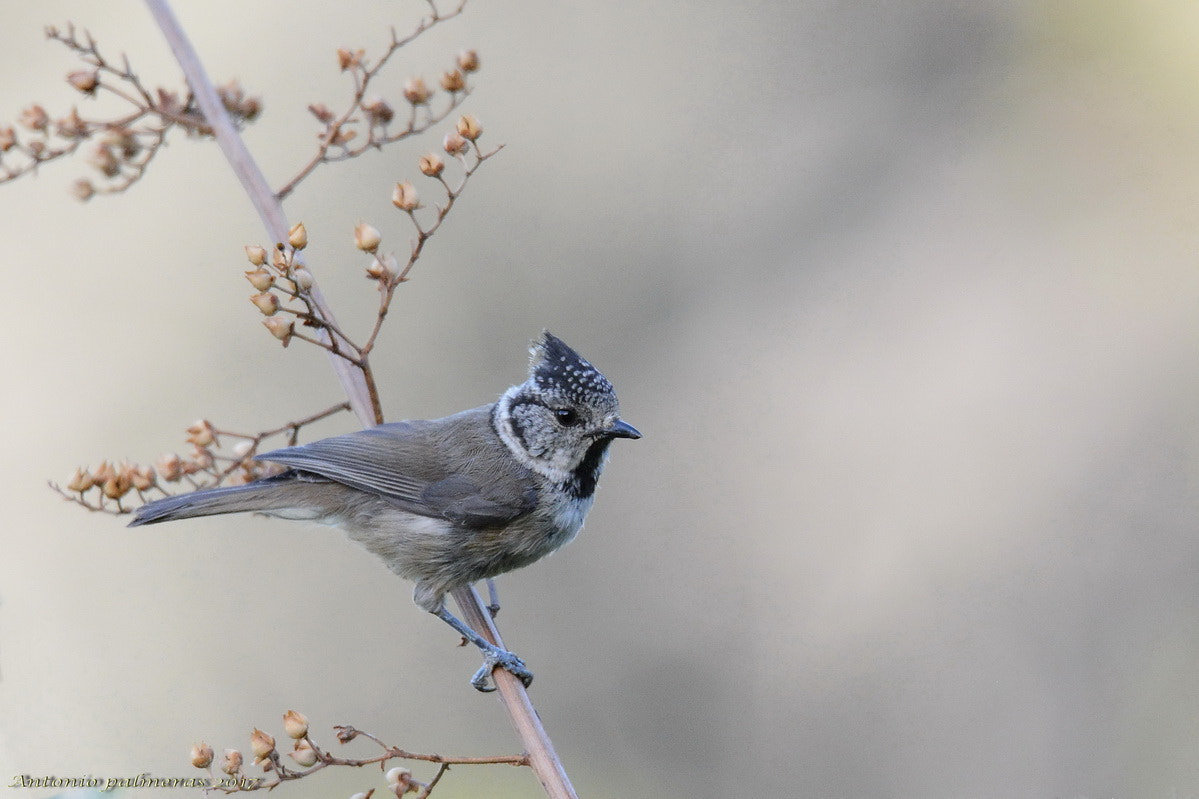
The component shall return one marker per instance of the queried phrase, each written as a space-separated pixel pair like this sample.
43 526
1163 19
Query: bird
448 502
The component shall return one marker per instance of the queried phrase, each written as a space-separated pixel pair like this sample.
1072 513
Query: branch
102 489
311 758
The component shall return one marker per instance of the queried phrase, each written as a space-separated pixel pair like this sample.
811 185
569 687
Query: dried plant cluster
121 144
309 757
285 286
110 488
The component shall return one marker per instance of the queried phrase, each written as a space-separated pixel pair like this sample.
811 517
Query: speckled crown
556 368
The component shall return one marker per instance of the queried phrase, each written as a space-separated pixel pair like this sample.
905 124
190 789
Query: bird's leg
492 655
493 598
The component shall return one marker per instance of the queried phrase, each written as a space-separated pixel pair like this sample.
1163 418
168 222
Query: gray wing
454 468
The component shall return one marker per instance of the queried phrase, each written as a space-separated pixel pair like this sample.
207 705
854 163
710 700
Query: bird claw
505 660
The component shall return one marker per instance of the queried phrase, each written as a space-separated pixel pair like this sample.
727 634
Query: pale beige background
903 295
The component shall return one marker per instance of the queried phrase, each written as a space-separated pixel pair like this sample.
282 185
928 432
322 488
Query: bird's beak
622 429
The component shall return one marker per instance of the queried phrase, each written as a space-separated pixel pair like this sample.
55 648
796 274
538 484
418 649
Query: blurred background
903 296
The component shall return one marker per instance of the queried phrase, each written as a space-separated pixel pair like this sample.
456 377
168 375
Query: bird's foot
504 659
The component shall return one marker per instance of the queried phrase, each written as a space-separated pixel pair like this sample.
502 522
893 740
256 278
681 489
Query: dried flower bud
201 458
379 112
454 144
250 108
231 763
398 776
262 745
102 472
35 118
8 139
256 254
201 433
201 755
104 160
143 478
416 91
469 127
71 126
431 164
83 190
243 448
260 279
377 270
80 481
367 238
279 258
85 80
280 328
468 61
231 95
321 112
453 81
117 486
363 794
303 754
170 467
295 724
123 140
303 278
297 237
349 58
404 197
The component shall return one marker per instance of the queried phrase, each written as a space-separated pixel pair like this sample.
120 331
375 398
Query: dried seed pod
297 237
468 61
469 127
367 238
267 303
85 80
262 745
295 724
454 143
416 91
201 755
280 328
256 254
431 165
404 197
453 81
231 762
303 754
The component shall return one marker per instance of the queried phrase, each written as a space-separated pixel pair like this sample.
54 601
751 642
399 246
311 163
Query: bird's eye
566 417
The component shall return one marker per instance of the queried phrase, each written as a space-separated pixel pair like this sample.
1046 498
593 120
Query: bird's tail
262 495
